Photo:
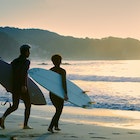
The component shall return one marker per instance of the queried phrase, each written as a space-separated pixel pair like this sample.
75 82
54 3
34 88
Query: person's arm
64 84
25 76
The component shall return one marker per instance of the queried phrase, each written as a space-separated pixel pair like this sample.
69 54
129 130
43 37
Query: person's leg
58 104
52 123
11 109
27 102
58 114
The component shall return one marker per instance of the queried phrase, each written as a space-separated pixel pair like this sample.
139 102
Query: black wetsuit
20 67
57 101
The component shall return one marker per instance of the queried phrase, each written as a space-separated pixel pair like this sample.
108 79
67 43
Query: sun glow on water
111 84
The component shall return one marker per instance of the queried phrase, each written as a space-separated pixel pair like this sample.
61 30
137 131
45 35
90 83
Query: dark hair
56 59
24 48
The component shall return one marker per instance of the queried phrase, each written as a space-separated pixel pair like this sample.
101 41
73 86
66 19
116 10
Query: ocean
110 84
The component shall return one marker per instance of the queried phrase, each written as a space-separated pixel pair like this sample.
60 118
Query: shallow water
111 84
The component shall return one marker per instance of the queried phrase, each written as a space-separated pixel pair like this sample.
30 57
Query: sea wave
116 102
101 101
112 102
103 78
132 107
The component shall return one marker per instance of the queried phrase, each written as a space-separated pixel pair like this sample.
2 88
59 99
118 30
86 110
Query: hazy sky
78 18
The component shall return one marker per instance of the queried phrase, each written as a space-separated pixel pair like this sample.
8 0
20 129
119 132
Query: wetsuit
20 67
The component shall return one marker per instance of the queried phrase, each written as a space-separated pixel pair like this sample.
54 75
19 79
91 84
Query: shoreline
70 131
75 123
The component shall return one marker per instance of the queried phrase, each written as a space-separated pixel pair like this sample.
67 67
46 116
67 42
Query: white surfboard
36 95
52 81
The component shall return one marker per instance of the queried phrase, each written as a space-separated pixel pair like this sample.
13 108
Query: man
20 67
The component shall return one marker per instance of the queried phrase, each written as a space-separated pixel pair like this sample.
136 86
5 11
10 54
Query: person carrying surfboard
57 101
20 67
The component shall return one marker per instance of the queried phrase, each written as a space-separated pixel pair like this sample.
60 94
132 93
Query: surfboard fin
85 91
87 106
84 106
92 102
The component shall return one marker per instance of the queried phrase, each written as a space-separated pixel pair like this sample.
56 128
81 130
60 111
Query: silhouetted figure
57 101
20 67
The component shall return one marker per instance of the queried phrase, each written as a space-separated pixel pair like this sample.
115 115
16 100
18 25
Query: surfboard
36 95
52 81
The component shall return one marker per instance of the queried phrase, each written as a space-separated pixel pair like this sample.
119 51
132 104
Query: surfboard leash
7 101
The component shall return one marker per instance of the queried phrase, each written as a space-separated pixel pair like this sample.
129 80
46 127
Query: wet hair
56 59
24 48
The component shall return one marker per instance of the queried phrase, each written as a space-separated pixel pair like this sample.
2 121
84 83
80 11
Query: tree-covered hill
45 43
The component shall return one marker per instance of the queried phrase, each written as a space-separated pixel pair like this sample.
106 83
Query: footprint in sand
44 125
99 138
91 133
71 136
3 136
131 133
116 133
74 136
13 138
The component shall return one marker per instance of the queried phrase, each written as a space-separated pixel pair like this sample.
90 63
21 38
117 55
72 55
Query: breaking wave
103 78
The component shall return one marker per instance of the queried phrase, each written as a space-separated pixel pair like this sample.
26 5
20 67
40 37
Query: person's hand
7 90
65 97
24 89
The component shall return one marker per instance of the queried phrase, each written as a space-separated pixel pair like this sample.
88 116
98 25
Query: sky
78 18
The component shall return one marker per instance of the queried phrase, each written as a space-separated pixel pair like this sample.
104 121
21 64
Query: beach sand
75 123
